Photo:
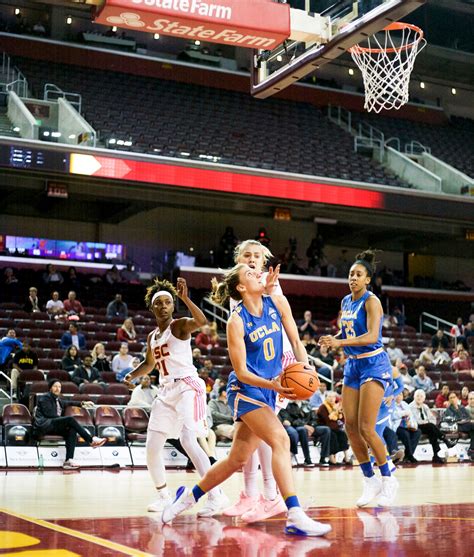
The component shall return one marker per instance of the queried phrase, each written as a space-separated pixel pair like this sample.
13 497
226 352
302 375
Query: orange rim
395 26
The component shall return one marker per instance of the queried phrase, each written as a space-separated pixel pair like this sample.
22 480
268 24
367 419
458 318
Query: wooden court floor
102 513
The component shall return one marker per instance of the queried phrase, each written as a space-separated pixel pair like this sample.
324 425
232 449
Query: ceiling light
68 20
120 142
156 36
17 11
114 29
197 43
112 141
422 85
351 71
453 91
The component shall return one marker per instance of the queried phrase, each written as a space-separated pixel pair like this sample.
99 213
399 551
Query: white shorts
180 404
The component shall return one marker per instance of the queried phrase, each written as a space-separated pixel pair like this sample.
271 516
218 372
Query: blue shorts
383 420
375 368
243 398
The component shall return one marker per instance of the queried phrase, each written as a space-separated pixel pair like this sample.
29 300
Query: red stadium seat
135 421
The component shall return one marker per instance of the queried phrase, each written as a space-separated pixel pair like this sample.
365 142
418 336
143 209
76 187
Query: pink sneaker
243 505
265 509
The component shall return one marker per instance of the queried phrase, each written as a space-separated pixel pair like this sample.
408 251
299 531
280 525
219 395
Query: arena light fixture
120 142
422 85
454 91
16 129
114 29
197 43
17 11
112 141
128 143
56 134
279 58
46 134
68 20
156 36
351 71
72 136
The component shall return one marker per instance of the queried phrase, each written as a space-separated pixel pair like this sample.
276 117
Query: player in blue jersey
254 337
367 374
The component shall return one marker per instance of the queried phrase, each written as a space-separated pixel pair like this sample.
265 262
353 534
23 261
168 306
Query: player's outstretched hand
127 380
182 288
272 279
330 342
287 392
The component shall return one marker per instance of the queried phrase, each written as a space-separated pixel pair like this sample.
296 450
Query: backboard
344 24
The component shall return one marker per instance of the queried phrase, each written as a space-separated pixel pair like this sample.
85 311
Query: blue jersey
263 339
354 324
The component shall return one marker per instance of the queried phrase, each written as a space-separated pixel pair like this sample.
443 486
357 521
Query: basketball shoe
298 523
389 491
372 488
184 500
243 505
214 505
264 508
164 499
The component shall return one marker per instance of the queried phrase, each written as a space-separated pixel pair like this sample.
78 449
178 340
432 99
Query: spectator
136 360
222 415
197 354
7 345
72 281
441 357
209 366
50 419
441 400
214 334
52 277
127 333
422 381
439 339
462 417
123 360
327 358
309 343
465 396
307 325
295 421
330 414
457 330
406 428
462 363
72 305
408 380
86 373
55 307
204 339
32 303
112 276
25 358
427 424
394 353
100 360
208 443
71 360
73 336
117 308
227 245
220 381
399 316
427 357
204 375
318 396
144 394
469 331
130 275
9 277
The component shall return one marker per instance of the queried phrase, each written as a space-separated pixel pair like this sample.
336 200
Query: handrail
74 98
437 321
213 310
410 148
395 140
9 381
312 360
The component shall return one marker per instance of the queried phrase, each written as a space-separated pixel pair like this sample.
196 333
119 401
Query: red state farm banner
259 24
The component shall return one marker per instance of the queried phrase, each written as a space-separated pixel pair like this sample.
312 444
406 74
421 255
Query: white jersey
173 356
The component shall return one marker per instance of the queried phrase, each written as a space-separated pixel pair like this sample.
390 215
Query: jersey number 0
268 349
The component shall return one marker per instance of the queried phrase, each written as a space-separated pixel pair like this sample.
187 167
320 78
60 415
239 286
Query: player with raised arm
367 374
179 411
254 335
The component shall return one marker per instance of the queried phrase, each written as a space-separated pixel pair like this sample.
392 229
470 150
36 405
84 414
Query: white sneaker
184 500
298 523
372 488
389 491
163 500
215 504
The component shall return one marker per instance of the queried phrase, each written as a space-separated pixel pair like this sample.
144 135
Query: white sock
197 455
250 471
155 441
269 483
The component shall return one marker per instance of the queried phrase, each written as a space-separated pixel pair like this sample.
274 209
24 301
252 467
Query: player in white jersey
252 506
179 410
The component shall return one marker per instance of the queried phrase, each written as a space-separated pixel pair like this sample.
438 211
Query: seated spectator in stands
441 400
127 333
318 396
100 360
144 394
219 382
422 381
55 307
214 334
197 355
464 400
112 276
130 275
123 360
209 366
72 282
9 278
406 427
204 375
222 416
307 325
71 360
295 420
427 357
25 358
394 352
73 336
462 363
468 331
407 379
327 357
8 344
309 343
399 317
52 277
72 305
86 373
439 339
330 414
50 420
336 324
204 340
456 412
117 308
426 421
32 302
441 357
457 330
208 443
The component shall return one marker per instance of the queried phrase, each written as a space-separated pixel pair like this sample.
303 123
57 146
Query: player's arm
182 328
238 358
145 367
291 328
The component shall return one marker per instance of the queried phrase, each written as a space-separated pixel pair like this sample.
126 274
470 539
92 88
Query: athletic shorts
243 398
180 404
374 368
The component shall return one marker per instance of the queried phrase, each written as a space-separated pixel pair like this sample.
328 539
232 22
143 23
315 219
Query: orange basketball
304 382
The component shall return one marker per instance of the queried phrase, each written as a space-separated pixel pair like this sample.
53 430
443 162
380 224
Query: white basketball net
386 65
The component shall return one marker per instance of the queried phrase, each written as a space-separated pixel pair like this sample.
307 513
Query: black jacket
46 410
296 415
80 375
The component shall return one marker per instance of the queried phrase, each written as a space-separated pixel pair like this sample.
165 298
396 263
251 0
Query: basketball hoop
386 65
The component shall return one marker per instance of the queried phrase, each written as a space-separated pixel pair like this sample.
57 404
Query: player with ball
254 337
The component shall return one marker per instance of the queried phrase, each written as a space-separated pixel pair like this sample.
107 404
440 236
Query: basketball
303 381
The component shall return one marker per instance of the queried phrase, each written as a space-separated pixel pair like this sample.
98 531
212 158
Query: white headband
161 293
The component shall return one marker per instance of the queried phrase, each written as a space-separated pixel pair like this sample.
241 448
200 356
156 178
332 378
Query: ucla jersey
354 324
263 339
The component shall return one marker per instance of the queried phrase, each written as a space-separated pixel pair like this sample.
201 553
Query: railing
52 92
394 140
434 323
363 143
416 148
215 311
9 382
312 360
340 116
12 78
